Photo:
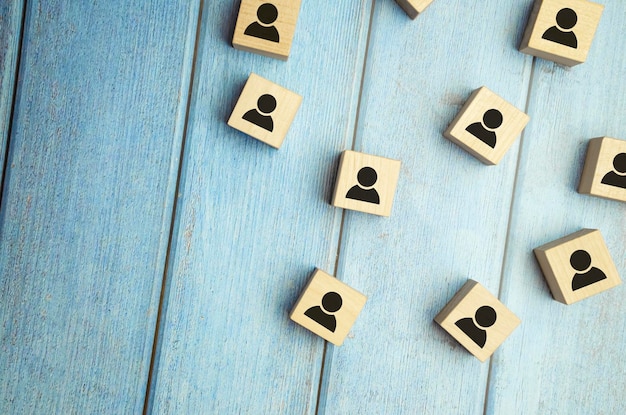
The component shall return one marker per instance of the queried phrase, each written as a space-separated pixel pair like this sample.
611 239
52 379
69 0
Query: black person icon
492 119
331 302
367 178
581 261
265 104
617 177
565 19
485 316
267 14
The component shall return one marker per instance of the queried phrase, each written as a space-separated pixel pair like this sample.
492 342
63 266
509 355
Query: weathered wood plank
11 14
253 222
88 200
450 217
566 359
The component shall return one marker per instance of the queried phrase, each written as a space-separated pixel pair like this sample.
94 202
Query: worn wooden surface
87 200
133 279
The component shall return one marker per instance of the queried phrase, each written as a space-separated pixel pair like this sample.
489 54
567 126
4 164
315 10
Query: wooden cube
477 320
328 307
561 30
265 110
486 126
414 7
577 266
604 174
366 183
266 28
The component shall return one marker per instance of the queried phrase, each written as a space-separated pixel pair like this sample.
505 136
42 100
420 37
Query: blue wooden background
150 254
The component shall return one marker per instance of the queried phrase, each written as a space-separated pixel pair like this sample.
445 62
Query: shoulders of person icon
565 19
366 178
617 177
581 261
484 135
485 316
263 29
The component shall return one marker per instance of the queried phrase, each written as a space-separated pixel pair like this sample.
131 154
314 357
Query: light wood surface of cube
544 18
387 173
319 285
285 25
480 101
287 104
604 174
554 260
464 305
413 7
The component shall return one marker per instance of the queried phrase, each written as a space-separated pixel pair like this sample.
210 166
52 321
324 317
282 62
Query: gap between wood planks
508 225
327 355
161 311
16 71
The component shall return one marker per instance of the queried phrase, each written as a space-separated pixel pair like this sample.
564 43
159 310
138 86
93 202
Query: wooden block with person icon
265 110
561 30
486 126
366 183
477 320
604 174
266 27
414 7
577 266
328 307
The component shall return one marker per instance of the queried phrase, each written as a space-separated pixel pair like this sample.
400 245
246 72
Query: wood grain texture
88 200
253 223
10 30
565 359
450 213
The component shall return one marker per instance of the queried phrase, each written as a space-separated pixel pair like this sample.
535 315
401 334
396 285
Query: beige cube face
577 266
561 30
413 7
604 174
328 307
366 183
266 27
265 110
486 126
477 320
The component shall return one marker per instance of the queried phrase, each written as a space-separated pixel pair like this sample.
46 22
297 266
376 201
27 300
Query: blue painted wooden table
150 254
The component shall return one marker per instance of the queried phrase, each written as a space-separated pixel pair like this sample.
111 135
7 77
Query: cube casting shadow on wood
604 174
265 110
366 183
266 28
577 266
413 7
477 320
486 126
328 307
561 30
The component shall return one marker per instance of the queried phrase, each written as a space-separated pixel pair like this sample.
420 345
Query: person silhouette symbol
331 302
492 119
367 178
485 316
267 14
581 261
617 177
265 104
565 19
